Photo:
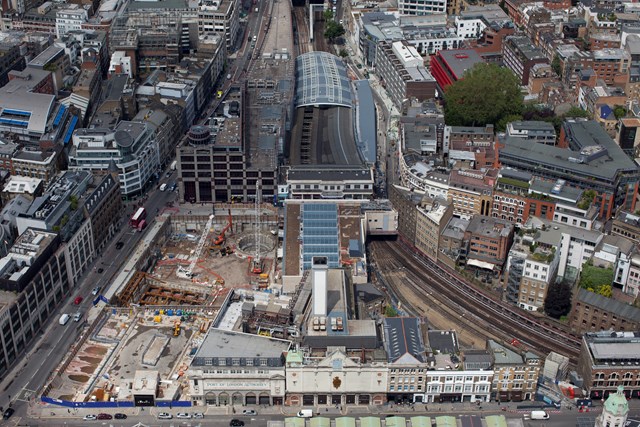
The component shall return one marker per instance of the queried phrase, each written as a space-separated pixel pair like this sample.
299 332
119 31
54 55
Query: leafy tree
327 15
556 65
595 278
389 311
619 111
576 112
343 53
558 301
606 291
486 95
333 30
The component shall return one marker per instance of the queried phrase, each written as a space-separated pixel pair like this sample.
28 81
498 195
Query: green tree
389 311
619 111
327 15
333 30
486 95
343 53
558 301
556 65
576 112
594 278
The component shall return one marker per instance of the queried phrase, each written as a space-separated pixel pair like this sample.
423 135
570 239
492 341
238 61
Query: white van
64 319
255 39
539 415
163 187
305 413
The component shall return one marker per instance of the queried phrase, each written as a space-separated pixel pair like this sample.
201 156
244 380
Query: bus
138 217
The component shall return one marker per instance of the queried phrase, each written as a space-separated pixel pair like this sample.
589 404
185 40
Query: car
100 270
236 423
168 174
78 300
120 416
95 290
105 416
89 417
198 415
249 412
7 414
165 416
184 415
119 245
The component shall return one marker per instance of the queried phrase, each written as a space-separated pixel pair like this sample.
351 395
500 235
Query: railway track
444 287
301 30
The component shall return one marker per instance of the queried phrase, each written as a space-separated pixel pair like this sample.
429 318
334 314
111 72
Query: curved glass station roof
321 79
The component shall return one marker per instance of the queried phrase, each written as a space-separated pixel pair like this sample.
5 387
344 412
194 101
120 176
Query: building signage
236 385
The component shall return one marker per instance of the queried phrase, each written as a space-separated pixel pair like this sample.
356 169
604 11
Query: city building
131 145
519 55
432 217
380 219
234 368
449 66
330 182
34 280
615 410
70 19
607 361
515 375
335 377
475 137
532 267
401 70
452 241
536 131
627 136
104 208
220 17
626 224
591 312
404 201
415 7
586 158
471 191
488 242
510 196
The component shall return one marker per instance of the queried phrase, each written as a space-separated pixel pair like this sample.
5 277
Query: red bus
137 218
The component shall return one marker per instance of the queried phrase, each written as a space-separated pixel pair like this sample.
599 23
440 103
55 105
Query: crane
220 239
256 266
188 272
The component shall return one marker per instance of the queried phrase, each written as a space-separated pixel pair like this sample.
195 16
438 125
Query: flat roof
321 79
329 173
443 341
38 105
220 343
460 60
503 355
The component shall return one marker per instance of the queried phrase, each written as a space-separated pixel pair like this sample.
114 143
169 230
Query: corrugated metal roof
345 422
370 422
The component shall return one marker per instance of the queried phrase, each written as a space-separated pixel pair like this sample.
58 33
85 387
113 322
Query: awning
420 421
395 422
320 422
446 421
481 264
495 421
294 422
346 422
370 422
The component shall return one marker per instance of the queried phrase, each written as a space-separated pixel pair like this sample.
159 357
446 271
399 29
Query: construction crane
187 273
256 267
220 239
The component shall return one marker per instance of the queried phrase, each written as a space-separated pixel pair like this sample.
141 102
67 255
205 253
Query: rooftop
503 355
321 79
220 344
610 305
460 60
490 227
403 335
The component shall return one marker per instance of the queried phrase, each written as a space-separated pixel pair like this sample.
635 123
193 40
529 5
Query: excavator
220 239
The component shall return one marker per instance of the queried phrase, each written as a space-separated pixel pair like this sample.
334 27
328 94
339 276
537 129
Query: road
42 357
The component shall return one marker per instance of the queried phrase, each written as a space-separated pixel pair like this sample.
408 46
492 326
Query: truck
305 413
163 187
174 165
64 319
539 415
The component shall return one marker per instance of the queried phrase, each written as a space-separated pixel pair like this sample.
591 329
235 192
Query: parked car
95 290
89 417
198 415
77 301
184 415
165 416
105 416
100 270
236 423
120 416
249 412
7 414
119 245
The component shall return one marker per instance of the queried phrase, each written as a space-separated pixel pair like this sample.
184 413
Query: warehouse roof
321 79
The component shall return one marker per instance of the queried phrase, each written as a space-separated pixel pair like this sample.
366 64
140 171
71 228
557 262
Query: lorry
64 319
305 413
539 415
174 165
163 187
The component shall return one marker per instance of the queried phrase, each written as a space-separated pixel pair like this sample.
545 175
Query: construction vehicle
256 266
187 273
220 239
176 328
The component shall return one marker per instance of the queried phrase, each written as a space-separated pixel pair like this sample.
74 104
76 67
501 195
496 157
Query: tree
389 311
333 30
594 278
576 112
619 111
327 15
558 301
486 95
343 53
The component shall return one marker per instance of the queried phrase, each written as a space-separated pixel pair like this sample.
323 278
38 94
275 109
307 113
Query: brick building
593 312
470 191
488 241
